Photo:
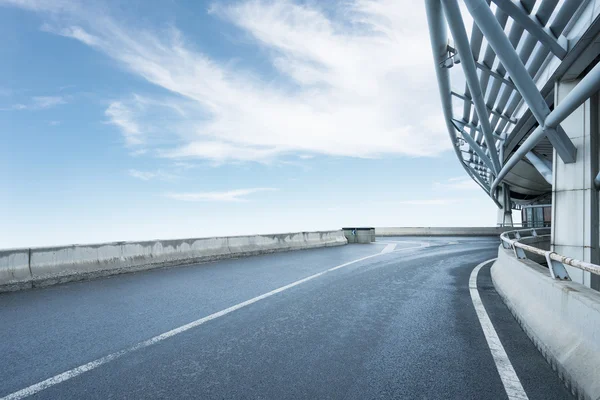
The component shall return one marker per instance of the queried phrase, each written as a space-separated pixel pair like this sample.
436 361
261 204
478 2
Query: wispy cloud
152 175
458 183
429 202
228 196
181 165
47 101
358 83
138 152
121 116
65 87
38 103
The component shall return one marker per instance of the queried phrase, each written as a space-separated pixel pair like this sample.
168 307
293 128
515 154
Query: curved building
522 110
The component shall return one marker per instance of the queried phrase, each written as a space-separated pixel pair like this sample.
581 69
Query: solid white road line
510 380
390 247
33 389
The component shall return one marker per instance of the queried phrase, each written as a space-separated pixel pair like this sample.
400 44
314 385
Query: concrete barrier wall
441 231
14 269
561 318
26 268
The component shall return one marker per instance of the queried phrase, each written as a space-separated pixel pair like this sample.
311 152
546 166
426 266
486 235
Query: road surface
393 319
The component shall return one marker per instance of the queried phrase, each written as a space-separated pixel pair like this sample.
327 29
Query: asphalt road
395 325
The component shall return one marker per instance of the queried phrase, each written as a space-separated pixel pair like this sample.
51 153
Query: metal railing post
557 269
556 263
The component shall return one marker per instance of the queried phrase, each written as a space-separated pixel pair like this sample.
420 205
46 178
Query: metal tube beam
475 146
528 5
540 165
474 175
531 24
492 111
563 16
525 52
457 27
484 18
514 36
439 42
545 11
589 85
494 91
475 128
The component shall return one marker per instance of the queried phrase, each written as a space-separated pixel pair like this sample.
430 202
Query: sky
139 120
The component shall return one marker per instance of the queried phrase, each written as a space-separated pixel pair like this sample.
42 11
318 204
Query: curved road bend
398 323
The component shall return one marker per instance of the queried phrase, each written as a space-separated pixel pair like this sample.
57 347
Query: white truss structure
516 52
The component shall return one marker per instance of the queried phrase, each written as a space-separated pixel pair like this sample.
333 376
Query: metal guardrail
536 224
556 262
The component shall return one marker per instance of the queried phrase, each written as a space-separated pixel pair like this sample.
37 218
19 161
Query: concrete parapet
441 231
561 318
14 269
36 267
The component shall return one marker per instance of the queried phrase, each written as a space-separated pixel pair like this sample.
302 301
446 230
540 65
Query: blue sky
131 120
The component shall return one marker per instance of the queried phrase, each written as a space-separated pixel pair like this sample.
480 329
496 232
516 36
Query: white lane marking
510 380
390 247
72 373
396 241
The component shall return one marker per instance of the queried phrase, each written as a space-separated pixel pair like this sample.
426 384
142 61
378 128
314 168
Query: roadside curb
562 319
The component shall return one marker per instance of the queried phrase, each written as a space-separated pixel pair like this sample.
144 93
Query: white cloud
38 103
458 183
184 165
220 151
74 32
138 152
121 116
228 196
151 175
47 101
358 84
429 202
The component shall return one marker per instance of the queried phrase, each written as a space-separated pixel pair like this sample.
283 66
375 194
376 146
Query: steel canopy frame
439 45
502 81
488 24
459 34
521 16
540 165
589 85
475 146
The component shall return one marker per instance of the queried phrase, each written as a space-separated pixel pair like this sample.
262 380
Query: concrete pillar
504 213
575 206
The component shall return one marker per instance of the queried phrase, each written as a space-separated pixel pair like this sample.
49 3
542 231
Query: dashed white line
510 380
72 373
